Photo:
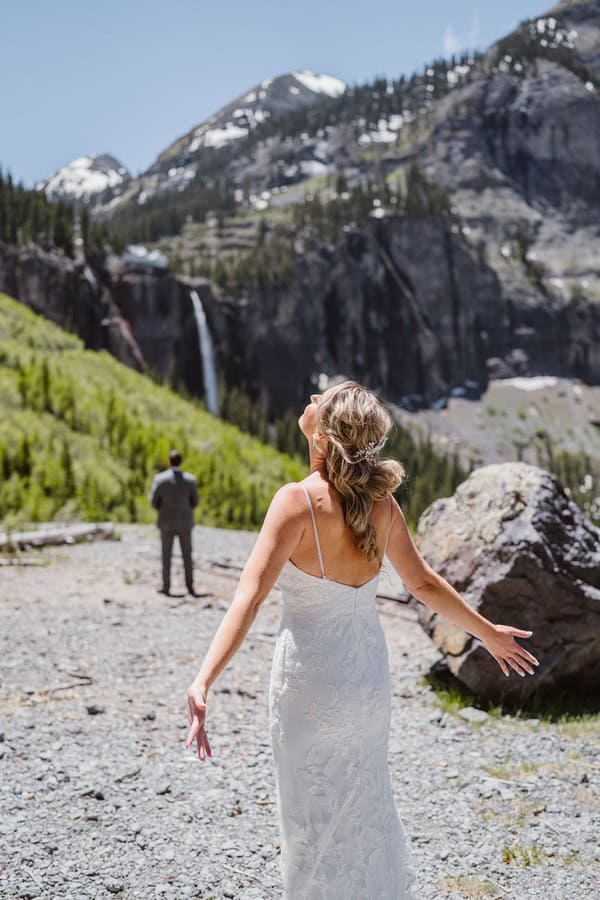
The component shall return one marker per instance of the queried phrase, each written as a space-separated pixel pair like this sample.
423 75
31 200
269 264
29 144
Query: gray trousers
185 542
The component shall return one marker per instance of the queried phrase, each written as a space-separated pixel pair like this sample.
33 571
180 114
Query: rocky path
99 798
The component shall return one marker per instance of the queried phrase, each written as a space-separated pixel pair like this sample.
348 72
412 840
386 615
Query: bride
323 540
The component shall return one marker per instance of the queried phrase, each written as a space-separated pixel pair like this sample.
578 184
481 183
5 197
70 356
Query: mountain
423 235
87 180
101 180
181 163
271 99
517 148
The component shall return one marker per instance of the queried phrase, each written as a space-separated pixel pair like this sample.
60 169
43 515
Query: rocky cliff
72 295
403 305
406 307
143 315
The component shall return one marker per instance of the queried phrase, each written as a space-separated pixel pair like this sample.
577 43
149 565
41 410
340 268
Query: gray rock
95 793
521 553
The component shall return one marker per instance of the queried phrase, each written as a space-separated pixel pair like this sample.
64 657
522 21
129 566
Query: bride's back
342 560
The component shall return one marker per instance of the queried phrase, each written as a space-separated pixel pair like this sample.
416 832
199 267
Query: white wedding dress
342 838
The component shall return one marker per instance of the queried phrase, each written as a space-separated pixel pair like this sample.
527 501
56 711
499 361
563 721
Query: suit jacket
174 494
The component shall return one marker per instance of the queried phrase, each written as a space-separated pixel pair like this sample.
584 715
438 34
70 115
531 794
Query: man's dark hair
175 458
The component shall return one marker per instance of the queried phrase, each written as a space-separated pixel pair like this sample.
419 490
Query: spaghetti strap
390 525
312 513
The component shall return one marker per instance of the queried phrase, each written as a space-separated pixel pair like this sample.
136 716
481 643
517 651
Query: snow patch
549 34
387 131
533 383
179 176
79 179
140 255
452 77
321 84
312 167
216 137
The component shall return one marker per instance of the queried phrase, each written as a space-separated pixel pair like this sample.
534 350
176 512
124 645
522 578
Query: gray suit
175 494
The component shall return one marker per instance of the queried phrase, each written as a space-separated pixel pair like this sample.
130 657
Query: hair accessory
370 451
367 453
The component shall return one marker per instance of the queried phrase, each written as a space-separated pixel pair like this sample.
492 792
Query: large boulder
521 553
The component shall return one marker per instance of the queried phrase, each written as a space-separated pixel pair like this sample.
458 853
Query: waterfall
207 355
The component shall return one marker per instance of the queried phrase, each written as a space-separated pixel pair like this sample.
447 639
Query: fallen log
63 534
22 561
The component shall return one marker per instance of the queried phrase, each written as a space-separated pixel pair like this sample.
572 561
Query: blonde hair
357 425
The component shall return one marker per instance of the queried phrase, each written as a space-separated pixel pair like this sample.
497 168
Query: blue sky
129 77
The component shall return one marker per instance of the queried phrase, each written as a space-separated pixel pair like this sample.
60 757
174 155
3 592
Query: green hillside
81 436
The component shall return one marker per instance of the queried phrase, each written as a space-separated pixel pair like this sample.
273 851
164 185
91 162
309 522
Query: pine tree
69 486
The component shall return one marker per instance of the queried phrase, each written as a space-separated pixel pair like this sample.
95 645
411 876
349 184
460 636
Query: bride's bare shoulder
287 498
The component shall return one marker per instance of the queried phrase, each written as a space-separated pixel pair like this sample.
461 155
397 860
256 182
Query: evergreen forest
82 435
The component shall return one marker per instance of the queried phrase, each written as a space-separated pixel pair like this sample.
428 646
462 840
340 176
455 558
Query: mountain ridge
175 168
422 234
272 97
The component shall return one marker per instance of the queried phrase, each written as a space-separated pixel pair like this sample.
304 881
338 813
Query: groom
175 494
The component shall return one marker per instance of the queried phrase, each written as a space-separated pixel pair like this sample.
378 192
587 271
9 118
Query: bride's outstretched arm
433 590
278 538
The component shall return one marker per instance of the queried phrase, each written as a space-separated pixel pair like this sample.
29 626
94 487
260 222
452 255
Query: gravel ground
98 796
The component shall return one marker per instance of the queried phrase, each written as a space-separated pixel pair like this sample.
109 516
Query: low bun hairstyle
356 425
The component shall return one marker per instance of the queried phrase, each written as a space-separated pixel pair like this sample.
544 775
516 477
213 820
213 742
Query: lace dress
342 838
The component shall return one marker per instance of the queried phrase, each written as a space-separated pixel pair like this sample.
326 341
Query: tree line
27 216
410 194
166 212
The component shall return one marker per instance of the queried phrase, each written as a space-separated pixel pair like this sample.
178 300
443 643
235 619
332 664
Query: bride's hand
196 712
501 643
